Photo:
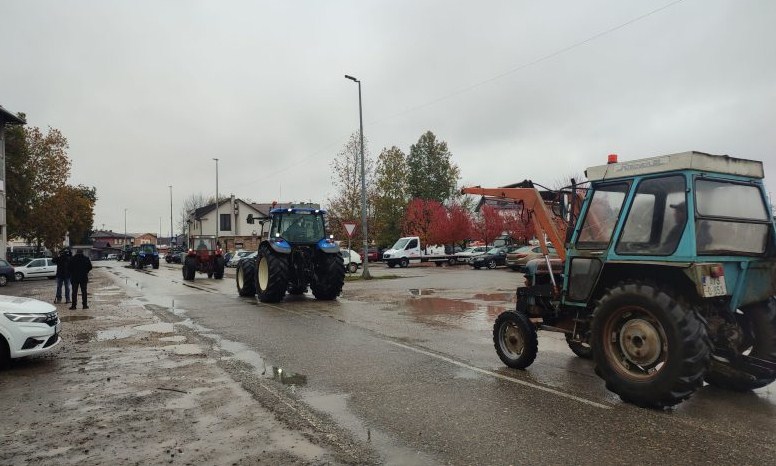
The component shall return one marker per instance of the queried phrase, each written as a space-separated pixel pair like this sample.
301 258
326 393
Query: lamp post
365 275
171 232
217 219
125 224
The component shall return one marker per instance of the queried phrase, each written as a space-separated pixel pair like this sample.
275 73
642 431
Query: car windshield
203 243
401 243
494 251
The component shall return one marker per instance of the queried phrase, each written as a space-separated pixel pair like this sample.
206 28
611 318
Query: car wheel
5 354
352 267
492 264
3 280
19 276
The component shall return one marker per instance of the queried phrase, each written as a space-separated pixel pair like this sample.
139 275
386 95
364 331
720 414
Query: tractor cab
298 225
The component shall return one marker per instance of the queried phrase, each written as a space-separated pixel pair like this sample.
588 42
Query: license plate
713 286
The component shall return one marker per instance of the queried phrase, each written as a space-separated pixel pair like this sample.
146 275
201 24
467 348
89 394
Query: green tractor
666 276
297 255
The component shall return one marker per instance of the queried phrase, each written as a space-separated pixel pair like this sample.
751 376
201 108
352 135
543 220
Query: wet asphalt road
407 365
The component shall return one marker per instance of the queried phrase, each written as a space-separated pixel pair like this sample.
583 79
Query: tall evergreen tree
431 173
391 195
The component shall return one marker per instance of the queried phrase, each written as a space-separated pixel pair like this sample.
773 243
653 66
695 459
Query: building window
226 222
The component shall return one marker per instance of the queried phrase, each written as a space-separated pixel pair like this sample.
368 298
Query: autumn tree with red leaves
489 225
419 219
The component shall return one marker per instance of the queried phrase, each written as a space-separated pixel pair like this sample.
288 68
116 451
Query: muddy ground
130 384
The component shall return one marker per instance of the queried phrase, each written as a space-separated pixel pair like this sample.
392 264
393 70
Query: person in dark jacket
63 275
80 266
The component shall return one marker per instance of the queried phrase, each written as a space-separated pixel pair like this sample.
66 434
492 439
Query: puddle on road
161 327
74 318
241 352
335 405
506 297
115 334
435 305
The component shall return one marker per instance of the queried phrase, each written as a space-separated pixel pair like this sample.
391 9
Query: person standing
80 266
63 275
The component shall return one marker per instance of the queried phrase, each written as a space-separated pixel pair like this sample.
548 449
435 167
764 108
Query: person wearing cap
673 236
63 275
80 266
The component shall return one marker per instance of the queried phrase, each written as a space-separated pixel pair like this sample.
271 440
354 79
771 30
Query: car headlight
14 317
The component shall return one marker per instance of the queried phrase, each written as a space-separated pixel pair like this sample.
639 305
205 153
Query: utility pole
217 219
365 275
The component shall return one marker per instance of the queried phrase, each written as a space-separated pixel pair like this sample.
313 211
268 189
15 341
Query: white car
36 268
466 255
237 257
352 260
28 326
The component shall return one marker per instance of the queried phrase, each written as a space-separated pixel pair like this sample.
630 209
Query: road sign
350 228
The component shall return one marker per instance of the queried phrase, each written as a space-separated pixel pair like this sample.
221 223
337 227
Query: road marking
501 376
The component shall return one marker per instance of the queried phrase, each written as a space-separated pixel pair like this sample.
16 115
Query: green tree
391 195
431 173
345 204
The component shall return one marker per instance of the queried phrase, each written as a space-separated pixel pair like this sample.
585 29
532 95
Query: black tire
582 350
451 261
271 275
515 339
3 280
5 354
218 273
438 263
492 264
245 277
648 349
156 264
139 264
328 276
758 328
352 267
189 268
391 264
404 262
19 276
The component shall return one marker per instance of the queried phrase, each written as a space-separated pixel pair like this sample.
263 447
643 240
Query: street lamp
171 232
365 275
125 225
217 219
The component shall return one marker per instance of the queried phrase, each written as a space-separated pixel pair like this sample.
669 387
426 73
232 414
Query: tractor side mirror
249 219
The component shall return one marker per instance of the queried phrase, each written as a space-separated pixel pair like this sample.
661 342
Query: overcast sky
148 92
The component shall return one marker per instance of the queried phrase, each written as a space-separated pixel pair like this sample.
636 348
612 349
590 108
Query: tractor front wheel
649 350
328 276
756 333
515 339
581 349
189 268
219 267
271 275
246 277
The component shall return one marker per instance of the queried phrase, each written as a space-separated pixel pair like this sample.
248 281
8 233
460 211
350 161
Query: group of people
72 269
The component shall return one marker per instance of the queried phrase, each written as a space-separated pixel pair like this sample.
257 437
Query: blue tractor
296 255
666 279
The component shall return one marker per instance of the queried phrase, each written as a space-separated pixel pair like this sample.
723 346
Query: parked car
237 257
372 254
112 257
516 260
352 260
493 258
6 272
464 256
42 267
28 326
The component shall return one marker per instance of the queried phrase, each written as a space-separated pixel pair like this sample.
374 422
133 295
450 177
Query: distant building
234 230
6 118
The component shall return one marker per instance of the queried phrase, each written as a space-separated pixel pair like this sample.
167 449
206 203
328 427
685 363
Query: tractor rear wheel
515 339
219 265
756 335
156 264
189 268
246 277
649 350
328 276
271 275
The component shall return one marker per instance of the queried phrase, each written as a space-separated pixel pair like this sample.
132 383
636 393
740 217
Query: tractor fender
278 245
328 246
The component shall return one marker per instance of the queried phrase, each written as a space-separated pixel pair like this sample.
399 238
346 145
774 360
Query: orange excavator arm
538 211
